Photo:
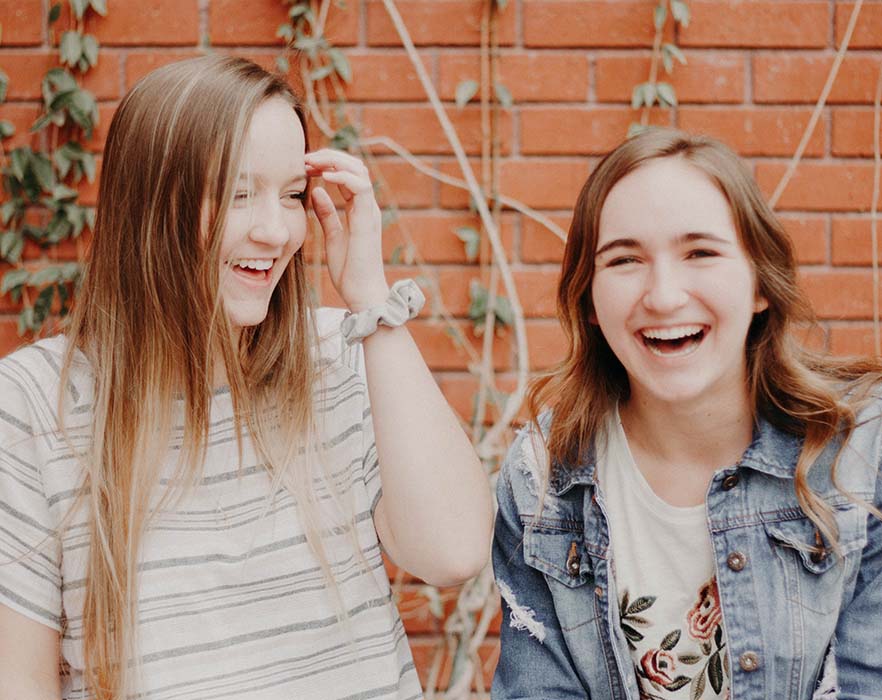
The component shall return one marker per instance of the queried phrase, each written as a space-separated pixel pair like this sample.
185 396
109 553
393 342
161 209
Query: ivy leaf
13 278
79 7
42 169
7 129
87 163
501 4
71 47
472 240
90 49
100 6
25 320
4 85
345 138
70 272
298 10
11 245
503 95
674 51
46 275
670 641
9 209
341 64
660 14
42 305
636 128
503 311
321 72
63 192
55 13
286 32
649 94
680 10
666 95
395 257
465 91
282 64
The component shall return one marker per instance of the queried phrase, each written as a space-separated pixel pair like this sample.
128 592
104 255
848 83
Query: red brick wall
755 69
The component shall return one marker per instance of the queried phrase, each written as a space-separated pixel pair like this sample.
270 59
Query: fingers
326 213
341 169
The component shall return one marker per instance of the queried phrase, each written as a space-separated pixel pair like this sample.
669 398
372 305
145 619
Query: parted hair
800 391
150 323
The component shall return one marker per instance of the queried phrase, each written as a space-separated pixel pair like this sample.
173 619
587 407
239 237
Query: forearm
435 515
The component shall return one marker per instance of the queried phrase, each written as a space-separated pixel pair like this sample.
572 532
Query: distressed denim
784 606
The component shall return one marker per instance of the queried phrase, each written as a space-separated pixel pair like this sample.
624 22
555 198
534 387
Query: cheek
297 225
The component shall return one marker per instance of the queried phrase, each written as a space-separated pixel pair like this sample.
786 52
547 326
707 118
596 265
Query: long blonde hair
149 321
802 392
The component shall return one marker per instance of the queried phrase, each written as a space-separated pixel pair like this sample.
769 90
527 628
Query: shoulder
32 371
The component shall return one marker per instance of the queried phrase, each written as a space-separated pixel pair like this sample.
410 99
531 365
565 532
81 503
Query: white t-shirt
232 603
669 603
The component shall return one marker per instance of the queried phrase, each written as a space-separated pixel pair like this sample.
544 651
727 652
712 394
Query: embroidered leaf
718 636
726 665
624 604
639 621
677 683
655 685
715 672
631 633
670 641
641 604
706 648
688 659
697 688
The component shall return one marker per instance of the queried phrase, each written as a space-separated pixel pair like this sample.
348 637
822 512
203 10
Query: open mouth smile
673 341
252 269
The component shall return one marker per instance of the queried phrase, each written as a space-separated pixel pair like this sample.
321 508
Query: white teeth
250 264
687 348
672 333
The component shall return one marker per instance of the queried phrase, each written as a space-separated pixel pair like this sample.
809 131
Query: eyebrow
684 238
300 177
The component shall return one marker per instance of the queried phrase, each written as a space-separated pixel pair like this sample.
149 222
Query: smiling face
673 290
266 220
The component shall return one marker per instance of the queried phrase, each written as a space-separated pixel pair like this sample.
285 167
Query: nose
665 289
268 224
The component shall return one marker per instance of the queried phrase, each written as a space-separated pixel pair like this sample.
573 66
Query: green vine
653 90
39 184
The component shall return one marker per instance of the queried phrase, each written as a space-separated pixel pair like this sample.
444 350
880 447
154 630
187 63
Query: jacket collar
772 452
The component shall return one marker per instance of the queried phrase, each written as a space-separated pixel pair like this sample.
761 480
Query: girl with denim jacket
697 514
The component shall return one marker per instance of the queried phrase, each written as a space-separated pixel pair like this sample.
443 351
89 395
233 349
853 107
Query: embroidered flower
706 615
656 664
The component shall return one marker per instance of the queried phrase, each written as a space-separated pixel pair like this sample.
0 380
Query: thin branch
512 406
822 100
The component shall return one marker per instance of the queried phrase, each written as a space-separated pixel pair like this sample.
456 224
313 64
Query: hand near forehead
355 256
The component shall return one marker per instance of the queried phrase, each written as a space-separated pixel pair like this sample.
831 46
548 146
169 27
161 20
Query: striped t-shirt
231 601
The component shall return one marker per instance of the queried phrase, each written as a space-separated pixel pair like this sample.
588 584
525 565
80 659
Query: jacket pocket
557 551
816 580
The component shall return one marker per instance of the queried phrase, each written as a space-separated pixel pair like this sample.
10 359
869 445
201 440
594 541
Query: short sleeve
30 570
332 348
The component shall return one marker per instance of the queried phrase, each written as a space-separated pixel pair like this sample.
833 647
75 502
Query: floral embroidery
663 669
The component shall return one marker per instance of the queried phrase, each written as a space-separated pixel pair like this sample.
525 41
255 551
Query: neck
707 433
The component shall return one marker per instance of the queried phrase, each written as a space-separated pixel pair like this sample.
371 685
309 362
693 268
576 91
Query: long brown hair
804 393
149 321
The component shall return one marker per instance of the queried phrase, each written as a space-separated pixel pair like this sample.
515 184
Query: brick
27 68
414 609
22 22
541 183
537 290
546 342
436 22
589 23
712 77
820 186
431 236
401 183
755 132
22 116
140 63
423 650
809 236
9 337
757 23
7 306
419 131
255 23
853 131
538 244
461 392
577 130
99 135
148 22
530 77
852 241
868 30
799 78
441 351
839 294
88 191
852 339
383 77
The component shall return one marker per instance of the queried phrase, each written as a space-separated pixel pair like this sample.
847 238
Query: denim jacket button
749 661
730 482
736 561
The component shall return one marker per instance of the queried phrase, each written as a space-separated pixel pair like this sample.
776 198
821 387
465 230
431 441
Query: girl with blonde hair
196 478
696 512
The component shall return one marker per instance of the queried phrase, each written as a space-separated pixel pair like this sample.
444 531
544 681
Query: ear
760 304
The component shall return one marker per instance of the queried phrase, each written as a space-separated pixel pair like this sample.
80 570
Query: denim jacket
784 605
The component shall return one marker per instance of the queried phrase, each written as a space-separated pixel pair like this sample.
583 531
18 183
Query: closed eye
702 253
295 196
622 260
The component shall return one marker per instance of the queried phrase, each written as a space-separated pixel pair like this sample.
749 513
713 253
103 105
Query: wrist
369 298
401 303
